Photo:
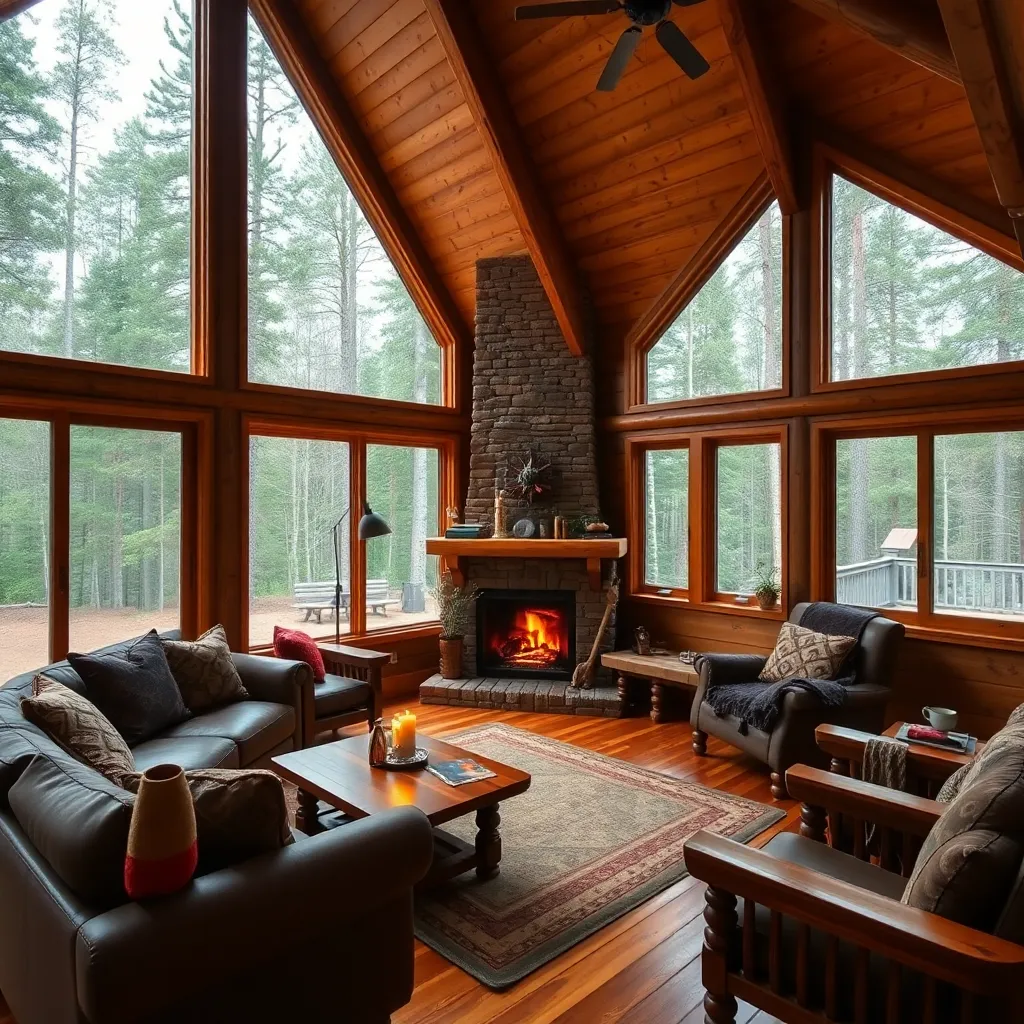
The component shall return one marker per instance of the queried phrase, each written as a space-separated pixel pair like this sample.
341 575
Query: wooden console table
664 675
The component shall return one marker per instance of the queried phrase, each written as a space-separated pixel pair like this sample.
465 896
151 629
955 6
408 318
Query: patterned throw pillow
133 686
239 814
803 653
79 727
204 670
294 645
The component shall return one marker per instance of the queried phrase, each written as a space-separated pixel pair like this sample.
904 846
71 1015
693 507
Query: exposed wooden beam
9 8
289 38
760 89
911 28
988 72
494 118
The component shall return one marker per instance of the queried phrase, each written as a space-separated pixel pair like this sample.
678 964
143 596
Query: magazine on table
460 771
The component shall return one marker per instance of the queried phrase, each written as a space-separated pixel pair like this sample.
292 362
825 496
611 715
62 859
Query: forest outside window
749 515
666 526
907 297
95 212
327 310
402 486
728 339
25 554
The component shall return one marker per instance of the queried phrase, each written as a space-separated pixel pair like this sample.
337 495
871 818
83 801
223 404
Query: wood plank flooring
643 968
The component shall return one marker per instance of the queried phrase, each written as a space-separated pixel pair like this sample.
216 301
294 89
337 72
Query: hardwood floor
643 968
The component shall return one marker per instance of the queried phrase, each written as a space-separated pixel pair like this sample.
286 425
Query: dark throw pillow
133 687
79 727
294 645
204 670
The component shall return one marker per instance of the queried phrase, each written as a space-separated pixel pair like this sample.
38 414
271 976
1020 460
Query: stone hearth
536 695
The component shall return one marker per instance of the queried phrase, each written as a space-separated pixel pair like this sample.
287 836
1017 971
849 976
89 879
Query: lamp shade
371 524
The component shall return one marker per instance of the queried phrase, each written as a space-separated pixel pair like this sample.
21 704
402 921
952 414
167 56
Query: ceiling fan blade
681 50
619 58
567 9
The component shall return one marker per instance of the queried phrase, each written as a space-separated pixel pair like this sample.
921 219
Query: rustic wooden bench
660 679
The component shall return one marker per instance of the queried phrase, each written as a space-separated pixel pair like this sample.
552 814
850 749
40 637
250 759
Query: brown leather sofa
792 740
320 930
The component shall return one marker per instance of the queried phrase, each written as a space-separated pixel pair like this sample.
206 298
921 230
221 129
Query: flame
534 640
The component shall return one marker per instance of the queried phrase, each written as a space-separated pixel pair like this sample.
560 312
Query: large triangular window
728 338
327 310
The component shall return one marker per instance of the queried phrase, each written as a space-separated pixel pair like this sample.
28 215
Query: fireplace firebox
526 633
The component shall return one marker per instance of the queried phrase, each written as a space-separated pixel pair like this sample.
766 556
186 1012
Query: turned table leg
488 841
658 700
779 790
720 918
700 742
813 822
306 819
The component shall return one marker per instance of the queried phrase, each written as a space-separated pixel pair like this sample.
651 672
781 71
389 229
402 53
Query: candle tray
398 764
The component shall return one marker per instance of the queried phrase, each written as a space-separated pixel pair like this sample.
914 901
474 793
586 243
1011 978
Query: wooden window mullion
357 548
60 535
925 526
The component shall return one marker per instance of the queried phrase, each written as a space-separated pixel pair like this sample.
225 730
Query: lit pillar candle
403 734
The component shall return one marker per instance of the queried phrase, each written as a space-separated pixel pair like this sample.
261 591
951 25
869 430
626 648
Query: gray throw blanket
759 704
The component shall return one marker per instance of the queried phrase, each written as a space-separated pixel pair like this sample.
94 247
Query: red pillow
295 645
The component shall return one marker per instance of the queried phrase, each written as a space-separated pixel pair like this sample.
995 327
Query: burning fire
534 641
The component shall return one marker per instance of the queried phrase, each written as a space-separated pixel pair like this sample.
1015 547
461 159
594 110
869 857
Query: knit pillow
78 726
204 670
294 645
802 653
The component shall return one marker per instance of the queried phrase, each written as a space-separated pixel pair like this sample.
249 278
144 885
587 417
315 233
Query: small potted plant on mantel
766 590
453 605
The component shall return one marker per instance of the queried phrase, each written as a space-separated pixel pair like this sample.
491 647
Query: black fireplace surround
526 633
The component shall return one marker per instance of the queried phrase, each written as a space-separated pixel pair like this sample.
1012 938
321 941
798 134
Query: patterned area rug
592 838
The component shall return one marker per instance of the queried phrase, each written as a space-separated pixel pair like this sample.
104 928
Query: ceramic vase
451 658
162 850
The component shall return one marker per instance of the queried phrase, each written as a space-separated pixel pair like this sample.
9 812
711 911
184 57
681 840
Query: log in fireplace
526 633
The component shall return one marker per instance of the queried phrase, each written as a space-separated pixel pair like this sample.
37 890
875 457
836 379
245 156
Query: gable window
907 297
95 212
728 338
327 309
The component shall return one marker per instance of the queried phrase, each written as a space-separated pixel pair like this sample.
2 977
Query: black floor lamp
370 525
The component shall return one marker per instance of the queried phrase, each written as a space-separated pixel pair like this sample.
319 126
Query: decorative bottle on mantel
499 514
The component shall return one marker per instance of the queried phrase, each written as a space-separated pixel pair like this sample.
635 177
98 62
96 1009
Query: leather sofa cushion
20 741
78 821
970 860
337 694
254 726
188 751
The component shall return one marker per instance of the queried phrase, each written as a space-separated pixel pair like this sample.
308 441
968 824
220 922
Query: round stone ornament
524 528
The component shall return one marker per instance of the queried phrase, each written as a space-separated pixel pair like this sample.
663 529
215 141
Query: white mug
943 719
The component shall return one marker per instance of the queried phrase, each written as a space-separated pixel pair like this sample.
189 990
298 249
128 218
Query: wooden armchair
811 933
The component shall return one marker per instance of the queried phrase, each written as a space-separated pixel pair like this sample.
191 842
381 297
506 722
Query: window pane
908 297
95 158
327 310
666 534
125 533
24 546
979 501
401 486
749 514
298 490
876 522
729 338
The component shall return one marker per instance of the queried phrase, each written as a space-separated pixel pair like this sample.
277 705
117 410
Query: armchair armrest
925 942
889 808
723 669
227 921
923 761
278 681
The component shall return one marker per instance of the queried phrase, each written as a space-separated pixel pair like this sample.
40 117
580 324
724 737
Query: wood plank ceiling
638 178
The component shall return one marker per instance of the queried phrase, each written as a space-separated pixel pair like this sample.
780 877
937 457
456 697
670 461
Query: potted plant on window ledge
766 589
453 605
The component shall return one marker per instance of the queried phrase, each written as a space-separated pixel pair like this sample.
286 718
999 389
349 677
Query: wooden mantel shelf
592 551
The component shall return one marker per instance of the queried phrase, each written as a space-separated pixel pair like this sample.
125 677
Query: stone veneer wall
529 391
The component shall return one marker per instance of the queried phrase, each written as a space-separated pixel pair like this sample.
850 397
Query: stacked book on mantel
464 531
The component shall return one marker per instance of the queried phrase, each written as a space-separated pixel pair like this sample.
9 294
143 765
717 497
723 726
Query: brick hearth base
522 695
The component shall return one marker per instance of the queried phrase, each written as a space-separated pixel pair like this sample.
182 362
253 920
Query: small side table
660 679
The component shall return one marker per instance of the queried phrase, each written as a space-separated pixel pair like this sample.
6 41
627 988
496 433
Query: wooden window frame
703 445
828 161
684 288
923 622
195 428
447 447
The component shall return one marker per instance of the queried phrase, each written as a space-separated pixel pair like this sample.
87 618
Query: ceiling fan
642 13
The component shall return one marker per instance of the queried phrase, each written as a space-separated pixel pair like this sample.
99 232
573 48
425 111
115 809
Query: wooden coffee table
339 774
